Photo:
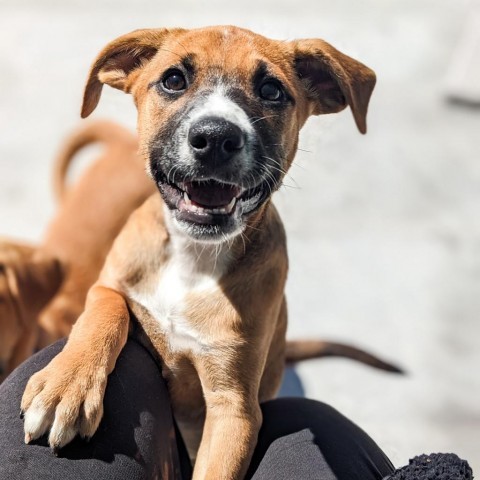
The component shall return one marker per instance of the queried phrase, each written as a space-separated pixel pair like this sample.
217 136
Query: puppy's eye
271 91
174 81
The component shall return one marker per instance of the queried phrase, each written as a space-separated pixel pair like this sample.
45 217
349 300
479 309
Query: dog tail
298 350
99 131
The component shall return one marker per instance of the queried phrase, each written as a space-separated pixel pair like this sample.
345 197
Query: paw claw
22 414
28 438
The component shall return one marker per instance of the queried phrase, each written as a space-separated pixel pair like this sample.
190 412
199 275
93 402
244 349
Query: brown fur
28 279
39 301
92 213
216 391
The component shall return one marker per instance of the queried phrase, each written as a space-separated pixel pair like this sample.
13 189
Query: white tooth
215 210
193 208
186 198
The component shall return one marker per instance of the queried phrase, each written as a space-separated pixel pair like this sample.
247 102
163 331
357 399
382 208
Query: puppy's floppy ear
33 281
333 80
45 275
120 58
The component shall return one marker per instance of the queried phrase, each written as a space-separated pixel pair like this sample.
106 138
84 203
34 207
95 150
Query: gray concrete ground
384 230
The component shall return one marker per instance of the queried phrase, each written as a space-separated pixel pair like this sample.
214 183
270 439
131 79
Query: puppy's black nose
215 139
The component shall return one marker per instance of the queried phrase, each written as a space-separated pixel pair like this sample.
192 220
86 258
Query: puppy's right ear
118 60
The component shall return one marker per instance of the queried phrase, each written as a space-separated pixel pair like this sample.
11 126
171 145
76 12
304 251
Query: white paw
37 420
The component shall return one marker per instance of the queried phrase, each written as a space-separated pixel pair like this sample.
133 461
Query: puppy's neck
212 258
208 258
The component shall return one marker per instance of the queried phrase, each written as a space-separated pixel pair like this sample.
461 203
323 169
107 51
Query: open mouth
208 197
209 201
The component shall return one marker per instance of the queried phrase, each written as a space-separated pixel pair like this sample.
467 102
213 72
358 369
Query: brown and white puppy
41 297
203 265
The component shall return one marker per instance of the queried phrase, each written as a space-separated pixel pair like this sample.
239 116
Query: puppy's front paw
66 397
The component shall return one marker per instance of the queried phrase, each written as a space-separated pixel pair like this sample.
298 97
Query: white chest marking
190 268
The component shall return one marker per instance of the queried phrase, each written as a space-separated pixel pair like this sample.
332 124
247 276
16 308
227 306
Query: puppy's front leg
67 395
233 419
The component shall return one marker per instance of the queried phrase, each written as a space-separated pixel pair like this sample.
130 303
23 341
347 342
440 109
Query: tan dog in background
28 280
93 211
43 288
203 265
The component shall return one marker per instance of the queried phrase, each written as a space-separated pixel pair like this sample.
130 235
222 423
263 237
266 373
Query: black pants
137 439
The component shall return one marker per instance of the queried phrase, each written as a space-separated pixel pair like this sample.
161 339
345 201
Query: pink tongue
211 194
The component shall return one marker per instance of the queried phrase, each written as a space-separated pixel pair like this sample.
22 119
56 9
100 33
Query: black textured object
136 438
436 466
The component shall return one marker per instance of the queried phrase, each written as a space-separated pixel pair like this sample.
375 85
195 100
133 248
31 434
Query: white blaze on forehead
217 104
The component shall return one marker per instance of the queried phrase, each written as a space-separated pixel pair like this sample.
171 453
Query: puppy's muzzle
214 141
207 175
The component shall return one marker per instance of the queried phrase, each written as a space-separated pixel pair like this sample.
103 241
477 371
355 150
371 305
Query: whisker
278 170
186 51
276 162
261 118
176 168
250 227
217 254
296 164
168 174
242 236
252 177
199 255
295 187
170 51
269 176
281 170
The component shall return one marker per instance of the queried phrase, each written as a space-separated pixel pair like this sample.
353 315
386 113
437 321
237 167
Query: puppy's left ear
333 80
